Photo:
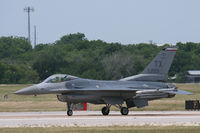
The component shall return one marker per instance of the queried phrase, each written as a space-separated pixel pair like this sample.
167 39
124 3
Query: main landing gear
106 110
124 110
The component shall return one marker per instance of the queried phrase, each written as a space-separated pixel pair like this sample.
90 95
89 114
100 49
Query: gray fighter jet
135 91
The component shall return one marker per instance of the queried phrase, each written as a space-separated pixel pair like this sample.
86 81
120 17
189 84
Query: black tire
124 111
105 110
69 112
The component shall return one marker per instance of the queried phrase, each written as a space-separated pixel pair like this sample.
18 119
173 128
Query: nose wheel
69 112
69 109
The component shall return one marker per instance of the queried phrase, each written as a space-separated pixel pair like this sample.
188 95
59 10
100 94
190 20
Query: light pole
34 36
28 10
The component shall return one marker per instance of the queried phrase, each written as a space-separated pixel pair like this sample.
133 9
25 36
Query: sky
123 21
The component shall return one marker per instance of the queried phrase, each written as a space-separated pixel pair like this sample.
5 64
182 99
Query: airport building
193 76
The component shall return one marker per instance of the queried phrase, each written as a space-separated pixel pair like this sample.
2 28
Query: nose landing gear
69 112
69 109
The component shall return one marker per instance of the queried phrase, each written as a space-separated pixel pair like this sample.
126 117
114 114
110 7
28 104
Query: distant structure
150 41
5 97
193 76
28 10
34 36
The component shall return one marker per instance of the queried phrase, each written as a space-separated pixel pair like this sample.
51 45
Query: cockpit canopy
56 78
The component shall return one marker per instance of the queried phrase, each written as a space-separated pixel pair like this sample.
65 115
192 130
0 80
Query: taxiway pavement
95 118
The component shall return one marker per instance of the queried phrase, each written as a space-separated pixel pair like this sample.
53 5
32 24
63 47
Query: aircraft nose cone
32 90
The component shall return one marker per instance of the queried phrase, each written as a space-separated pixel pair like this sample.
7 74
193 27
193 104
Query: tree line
74 54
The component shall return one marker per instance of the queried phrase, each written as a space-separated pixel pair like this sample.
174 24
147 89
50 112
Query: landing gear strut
105 110
69 109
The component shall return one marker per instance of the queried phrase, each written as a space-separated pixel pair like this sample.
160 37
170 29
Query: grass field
17 103
114 129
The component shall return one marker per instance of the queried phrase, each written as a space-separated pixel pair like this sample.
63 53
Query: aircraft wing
81 89
119 89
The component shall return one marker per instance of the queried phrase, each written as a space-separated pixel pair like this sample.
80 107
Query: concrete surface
95 118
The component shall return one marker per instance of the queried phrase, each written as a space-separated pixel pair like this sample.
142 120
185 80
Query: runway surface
95 118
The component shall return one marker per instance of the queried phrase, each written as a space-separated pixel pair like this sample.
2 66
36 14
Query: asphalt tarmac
95 118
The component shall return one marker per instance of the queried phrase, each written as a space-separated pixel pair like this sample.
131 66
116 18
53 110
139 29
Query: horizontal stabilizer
167 90
181 92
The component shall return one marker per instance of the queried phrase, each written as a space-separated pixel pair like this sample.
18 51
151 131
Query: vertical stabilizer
161 63
158 69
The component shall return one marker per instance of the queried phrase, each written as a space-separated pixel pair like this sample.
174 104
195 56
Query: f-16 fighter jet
134 91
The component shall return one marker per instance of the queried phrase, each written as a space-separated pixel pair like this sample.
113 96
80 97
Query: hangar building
193 76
